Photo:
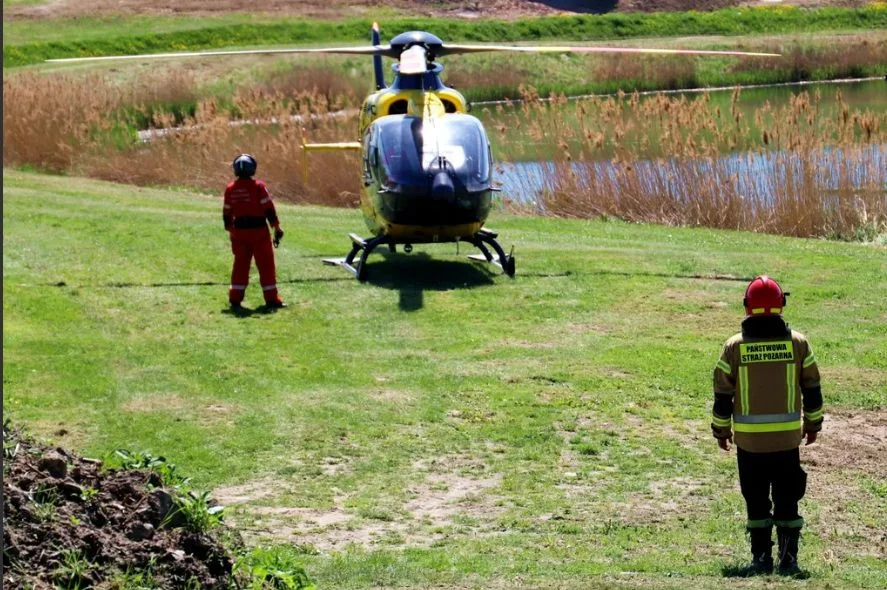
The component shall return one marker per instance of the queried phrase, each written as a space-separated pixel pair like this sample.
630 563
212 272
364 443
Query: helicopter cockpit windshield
410 151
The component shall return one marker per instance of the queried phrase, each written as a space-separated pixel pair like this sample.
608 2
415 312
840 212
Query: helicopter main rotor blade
368 50
392 52
457 49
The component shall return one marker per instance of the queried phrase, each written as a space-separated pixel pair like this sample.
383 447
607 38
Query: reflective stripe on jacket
767 378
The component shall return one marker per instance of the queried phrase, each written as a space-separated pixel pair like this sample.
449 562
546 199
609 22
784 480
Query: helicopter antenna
377 60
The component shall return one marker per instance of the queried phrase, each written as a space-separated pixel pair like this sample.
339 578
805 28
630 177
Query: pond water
524 177
758 176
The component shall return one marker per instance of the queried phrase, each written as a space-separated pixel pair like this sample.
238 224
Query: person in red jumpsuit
247 213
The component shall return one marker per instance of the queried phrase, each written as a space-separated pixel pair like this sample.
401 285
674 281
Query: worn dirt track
507 9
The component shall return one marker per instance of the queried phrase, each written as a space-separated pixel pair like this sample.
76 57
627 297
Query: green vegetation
73 570
441 425
194 510
119 36
273 568
10 3
803 58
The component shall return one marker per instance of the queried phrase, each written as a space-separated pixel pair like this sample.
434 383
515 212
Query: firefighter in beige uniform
764 382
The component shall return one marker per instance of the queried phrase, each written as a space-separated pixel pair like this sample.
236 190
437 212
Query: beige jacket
768 378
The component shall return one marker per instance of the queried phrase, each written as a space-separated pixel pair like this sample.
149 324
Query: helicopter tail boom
324 147
342 145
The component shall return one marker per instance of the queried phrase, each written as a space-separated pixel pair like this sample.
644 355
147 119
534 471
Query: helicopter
426 164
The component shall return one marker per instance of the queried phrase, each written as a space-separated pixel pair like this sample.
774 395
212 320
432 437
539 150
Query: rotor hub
432 43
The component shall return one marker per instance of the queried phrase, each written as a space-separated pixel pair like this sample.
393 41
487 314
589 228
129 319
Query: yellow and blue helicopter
427 166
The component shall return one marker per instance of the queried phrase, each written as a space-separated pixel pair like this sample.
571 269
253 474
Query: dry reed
796 169
850 57
81 125
809 171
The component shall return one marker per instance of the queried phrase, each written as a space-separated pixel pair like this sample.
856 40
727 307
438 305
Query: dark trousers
779 473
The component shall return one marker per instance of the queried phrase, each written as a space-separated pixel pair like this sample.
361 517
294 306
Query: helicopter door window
398 107
381 171
368 145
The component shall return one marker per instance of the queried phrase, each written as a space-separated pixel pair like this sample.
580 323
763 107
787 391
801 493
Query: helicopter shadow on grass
413 274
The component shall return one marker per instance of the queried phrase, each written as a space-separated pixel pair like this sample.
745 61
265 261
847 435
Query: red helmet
764 296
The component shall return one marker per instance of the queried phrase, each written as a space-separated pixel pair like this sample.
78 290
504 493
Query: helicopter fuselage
426 164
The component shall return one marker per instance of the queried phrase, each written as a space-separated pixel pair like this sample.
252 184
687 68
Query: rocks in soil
61 509
54 464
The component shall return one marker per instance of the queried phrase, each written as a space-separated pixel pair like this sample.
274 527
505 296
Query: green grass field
442 425
30 42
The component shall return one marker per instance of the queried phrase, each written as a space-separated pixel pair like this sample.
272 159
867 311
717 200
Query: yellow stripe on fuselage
427 234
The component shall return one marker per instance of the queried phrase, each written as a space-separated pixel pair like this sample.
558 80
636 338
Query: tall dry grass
667 74
84 125
47 120
851 57
810 171
200 154
795 169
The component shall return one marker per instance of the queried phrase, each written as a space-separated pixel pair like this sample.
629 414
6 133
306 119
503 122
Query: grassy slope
31 42
579 392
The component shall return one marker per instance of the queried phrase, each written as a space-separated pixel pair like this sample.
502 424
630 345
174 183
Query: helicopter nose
442 188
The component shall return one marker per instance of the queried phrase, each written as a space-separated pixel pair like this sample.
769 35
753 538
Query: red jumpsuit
247 211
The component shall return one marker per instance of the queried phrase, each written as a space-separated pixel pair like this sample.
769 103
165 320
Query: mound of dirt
70 523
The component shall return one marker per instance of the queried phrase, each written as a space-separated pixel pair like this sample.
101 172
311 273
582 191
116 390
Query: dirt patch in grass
64 433
171 402
69 523
394 396
841 468
441 497
215 413
852 442
250 491
454 490
665 500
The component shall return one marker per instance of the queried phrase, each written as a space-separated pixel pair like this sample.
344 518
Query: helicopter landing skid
486 237
358 244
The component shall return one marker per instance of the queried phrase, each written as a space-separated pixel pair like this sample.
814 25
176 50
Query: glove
278 234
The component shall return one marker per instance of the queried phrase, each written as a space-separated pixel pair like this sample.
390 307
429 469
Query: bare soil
70 523
851 443
505 9
446 489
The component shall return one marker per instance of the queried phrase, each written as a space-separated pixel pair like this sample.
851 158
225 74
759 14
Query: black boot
761 545
788 551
